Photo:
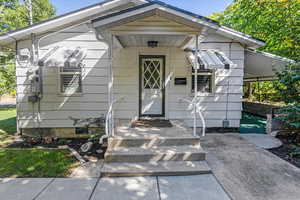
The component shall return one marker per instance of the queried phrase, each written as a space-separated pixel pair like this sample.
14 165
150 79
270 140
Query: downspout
226 122
196 84
17 124
100 38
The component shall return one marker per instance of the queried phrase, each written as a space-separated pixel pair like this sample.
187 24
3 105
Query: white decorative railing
196 109
109 121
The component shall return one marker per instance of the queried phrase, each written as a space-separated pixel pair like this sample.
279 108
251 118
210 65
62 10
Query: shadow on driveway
248 172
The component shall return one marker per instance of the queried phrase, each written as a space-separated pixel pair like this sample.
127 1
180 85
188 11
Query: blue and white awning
209 59
63 57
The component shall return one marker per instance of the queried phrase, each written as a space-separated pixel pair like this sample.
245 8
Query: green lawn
7 125
35 163
29 162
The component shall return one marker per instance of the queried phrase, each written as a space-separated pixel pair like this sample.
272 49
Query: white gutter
279 58
240 36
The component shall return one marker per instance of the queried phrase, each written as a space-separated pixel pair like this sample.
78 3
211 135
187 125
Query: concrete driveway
249 172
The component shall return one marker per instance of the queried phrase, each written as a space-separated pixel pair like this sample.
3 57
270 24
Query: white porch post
196 85
110 85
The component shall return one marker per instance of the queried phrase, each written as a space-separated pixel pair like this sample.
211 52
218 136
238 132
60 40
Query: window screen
205 81
70 80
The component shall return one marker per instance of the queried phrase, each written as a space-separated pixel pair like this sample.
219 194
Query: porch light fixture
152 44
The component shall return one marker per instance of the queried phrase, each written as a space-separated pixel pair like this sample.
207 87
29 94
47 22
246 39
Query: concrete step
166 168
147 142
160 153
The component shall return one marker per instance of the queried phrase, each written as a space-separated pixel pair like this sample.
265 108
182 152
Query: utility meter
35 86
24 54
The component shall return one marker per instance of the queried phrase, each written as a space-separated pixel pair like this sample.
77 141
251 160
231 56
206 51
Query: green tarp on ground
252 124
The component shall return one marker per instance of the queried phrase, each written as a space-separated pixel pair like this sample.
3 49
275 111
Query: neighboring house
138 54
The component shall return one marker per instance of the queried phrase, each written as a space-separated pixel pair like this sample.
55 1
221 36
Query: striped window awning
63 57
209 59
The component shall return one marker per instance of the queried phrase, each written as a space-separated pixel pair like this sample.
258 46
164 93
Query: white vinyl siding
56 109
225 99
90 100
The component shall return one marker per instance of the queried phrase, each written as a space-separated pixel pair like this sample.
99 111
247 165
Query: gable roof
161 7
70 17
155 2
52 23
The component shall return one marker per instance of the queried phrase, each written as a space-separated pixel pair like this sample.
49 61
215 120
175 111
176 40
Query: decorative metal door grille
152 74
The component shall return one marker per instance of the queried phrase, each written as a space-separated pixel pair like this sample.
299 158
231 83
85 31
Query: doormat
152 123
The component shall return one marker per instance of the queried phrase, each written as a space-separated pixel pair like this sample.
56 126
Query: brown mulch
75 144
152 123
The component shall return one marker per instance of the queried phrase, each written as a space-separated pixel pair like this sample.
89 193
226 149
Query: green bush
288 87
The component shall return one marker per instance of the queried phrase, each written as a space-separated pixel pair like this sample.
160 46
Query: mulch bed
58 143
285 150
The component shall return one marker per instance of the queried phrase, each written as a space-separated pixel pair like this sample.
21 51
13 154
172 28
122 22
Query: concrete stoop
164 168
154 155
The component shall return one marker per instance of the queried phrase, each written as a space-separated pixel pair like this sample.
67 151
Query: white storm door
152 86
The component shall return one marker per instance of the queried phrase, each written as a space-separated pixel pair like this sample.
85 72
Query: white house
128 60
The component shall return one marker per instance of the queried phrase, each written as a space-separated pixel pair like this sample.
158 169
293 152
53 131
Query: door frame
163 57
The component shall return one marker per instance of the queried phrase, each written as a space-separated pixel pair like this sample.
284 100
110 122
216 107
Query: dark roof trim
153 2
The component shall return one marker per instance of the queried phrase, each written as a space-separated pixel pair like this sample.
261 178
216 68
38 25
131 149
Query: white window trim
60 93
213 83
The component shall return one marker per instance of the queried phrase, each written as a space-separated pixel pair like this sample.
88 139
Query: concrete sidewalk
134 188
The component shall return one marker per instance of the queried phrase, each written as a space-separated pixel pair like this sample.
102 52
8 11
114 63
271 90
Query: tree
13 15
275 21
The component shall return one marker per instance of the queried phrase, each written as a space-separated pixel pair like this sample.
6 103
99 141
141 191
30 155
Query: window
205 81
70 80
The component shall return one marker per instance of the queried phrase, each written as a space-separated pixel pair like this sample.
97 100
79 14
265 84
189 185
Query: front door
152 91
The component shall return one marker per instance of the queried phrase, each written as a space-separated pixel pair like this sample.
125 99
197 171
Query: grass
35 163
7 125
29 162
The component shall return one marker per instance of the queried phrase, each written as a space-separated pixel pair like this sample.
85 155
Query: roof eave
9 37
269 55
247 39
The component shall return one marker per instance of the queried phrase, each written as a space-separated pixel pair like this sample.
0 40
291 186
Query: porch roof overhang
262 66
202 24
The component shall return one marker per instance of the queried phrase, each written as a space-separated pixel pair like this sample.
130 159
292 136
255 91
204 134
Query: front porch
158 70
154 151
152 73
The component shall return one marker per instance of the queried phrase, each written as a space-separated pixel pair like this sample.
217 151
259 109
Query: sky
201 7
